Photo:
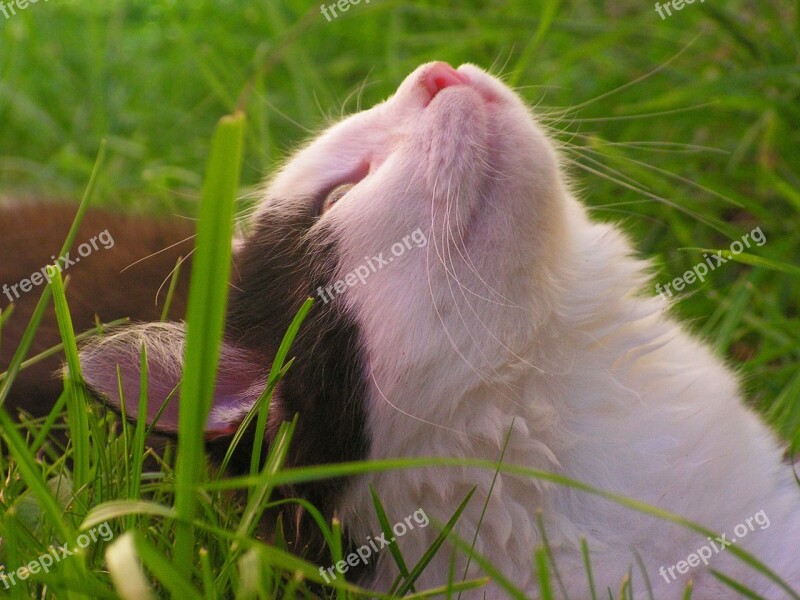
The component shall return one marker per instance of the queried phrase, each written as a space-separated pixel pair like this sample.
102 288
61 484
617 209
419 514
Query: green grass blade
260 494
484 563
173 285
648 584
207 574
419 568
315 473
32 475
5 313
337 553
587 564
541 560
740 588
549 552
78 397
60 347
168 575
264 398
38 313
205 320
386 528
117 509
489 495
752 260
136 458
275 370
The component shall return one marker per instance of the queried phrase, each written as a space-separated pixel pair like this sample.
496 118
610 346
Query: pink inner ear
215 431
163 383
241 376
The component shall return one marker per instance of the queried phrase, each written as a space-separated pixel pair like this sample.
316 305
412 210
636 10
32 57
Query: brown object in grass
105 283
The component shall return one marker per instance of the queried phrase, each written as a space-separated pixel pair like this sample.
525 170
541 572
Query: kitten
463 296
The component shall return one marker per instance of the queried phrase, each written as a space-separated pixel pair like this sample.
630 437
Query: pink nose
440 75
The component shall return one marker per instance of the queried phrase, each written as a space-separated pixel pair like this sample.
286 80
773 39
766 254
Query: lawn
683 129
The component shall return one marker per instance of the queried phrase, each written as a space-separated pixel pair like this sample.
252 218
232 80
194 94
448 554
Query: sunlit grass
690 157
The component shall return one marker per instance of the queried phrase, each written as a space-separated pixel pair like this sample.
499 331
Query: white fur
522 308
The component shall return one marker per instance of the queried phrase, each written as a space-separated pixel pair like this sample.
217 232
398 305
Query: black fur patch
282 264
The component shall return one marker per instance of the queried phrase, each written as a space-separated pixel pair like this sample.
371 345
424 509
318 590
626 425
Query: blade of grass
434 548
735 585
261 492
543 574
645 576
496 575
136 458
587 563
32 475
60 347
549 552
205 319
77 397
116 509
489 495
169 576
337 554
752 259
547 15
297 475
207 574
386 528
36 318
5 313
289 562
52 417
277 366
311 510
264 398
173 285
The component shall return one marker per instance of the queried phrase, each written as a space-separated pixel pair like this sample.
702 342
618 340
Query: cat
466 306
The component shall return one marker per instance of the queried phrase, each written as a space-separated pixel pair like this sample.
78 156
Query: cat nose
440 75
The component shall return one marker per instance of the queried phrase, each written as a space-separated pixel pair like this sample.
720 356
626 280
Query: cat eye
336 194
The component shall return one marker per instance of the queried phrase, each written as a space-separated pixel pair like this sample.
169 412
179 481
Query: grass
683 129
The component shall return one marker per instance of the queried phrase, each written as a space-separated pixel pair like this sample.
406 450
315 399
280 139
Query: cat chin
476 173
467 166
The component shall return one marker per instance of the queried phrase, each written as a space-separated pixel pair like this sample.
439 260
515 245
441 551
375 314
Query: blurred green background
683 129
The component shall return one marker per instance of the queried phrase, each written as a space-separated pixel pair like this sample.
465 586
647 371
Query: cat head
426 228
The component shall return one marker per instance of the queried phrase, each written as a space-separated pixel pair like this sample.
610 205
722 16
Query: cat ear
241 378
